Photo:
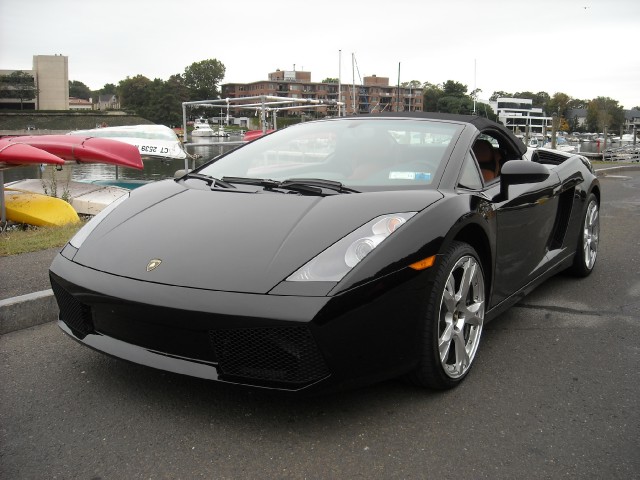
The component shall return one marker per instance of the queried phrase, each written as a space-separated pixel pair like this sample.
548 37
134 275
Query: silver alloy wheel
461 316
591 235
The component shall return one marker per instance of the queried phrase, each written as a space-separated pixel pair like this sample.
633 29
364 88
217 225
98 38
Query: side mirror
518 172
181 173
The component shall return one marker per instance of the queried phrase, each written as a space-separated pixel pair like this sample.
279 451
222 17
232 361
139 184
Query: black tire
454 316
587 248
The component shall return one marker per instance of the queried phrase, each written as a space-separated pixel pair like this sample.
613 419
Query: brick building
374 95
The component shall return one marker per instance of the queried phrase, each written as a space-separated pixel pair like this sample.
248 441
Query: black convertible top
481 123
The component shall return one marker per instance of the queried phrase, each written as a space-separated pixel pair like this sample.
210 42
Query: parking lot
554 393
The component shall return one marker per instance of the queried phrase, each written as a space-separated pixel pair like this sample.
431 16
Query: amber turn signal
423 264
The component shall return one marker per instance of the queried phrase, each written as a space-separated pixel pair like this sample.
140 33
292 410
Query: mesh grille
276 354
76 315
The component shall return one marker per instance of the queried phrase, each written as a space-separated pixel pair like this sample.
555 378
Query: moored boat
151 140
561 145
201 128
85 198
38 209
32 205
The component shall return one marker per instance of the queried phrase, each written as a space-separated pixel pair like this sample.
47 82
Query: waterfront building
108 101
631 120
80 104
373 95
51 77
521 117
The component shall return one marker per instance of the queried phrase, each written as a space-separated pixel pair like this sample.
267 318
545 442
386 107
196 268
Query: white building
521 117
51 75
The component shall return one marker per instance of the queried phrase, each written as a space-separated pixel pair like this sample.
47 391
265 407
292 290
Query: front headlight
334 263
79 238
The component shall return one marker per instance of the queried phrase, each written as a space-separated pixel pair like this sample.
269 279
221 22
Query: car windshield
358 152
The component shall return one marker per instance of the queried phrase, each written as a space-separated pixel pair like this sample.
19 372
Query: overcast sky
584 48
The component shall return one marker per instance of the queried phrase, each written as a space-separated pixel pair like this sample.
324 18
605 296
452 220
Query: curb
27 311
602 172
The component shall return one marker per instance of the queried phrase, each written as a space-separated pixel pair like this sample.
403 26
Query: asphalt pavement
26 298
25 273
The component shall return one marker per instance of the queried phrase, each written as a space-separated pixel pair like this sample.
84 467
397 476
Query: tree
454 99
330 80
165 101
541 99
462 105
202 79
19 85
108 89
134 93
411 84
538 100
454 89
431 94
499 94
576 103
559 105
78 89
485 110
604 112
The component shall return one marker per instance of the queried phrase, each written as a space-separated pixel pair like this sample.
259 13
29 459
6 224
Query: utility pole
339 81
398 93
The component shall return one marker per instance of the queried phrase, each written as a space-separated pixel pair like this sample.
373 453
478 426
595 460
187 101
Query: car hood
229 240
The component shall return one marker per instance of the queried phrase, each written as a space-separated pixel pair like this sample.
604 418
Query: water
154 169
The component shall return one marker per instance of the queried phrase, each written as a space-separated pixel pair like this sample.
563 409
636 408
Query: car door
525 219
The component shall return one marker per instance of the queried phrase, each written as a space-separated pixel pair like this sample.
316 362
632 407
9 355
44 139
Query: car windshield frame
380 153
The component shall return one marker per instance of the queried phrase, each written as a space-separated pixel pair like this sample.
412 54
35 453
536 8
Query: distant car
331 253
30 127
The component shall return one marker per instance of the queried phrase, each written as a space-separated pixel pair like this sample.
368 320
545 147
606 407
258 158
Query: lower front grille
287 355
75 314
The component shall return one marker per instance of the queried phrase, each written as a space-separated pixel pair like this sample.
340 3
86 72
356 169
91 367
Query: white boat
534 142
201 128
85 198
151 140
220 132
561 145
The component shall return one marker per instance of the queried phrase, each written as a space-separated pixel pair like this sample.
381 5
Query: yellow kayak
38 209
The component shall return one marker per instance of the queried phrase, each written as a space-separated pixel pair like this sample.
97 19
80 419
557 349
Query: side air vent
549 158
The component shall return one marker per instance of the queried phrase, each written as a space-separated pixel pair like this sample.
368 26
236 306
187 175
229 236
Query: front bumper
271 341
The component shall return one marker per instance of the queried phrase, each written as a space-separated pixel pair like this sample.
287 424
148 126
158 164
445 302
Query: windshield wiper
260 182
317 182
313 186
269 184
211 181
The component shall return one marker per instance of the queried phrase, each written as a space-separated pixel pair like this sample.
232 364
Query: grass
24 239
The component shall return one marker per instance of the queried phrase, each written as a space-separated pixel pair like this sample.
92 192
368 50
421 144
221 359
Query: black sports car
330 253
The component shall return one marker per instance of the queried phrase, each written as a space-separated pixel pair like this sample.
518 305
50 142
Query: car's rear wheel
453 321
587 250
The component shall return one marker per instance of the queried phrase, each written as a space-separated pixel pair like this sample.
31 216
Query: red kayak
84 149
20 154
253 134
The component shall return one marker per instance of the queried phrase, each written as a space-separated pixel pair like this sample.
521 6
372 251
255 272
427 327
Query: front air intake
75 314
282 355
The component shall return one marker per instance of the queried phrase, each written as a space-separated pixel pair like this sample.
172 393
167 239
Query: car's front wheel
453 321
587 249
